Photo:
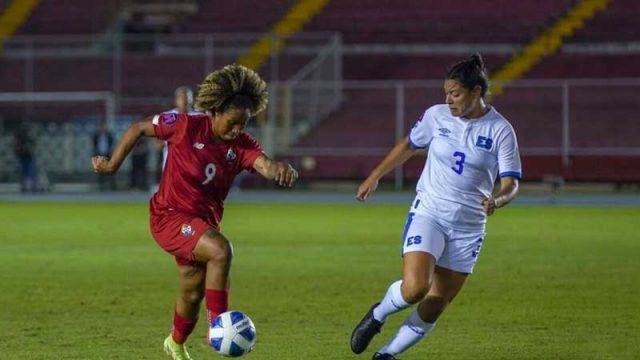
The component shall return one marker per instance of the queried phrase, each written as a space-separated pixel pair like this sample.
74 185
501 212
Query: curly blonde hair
234 86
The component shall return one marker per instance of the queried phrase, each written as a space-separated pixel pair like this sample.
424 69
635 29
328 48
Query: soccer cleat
379 356
176 351
365 331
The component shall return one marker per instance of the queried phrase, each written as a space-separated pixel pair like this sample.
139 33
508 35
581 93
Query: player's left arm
507 192
282 172
509 170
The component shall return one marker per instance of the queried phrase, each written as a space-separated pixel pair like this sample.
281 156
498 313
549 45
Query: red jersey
199 171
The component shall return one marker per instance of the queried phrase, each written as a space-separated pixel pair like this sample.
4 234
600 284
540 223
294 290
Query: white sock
412 330
391 304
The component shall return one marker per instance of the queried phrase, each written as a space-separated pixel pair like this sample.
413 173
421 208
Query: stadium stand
433 21
366 22
531 112
617 23
235 16
60 17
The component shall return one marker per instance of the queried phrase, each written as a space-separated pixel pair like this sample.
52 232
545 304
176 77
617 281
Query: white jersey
465 157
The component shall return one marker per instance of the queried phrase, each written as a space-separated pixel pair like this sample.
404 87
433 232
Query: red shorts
178 233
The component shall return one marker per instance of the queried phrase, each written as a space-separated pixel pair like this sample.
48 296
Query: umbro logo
198 146
444 131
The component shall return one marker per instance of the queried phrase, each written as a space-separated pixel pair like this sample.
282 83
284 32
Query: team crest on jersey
186 230
231 155
484 142
169 118
444 132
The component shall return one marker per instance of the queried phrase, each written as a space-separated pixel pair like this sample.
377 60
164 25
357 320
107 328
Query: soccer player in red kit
206 152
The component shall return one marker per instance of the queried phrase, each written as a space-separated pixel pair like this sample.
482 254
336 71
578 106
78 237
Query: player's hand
367 188
102 165
489 206
286 175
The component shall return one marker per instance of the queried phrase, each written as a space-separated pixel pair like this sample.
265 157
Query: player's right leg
191 277
444 288
423 242
216 252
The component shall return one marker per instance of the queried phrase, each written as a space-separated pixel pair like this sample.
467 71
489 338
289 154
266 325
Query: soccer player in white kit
183 99
470 144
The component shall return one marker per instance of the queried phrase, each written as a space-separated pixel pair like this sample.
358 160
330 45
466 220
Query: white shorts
453 249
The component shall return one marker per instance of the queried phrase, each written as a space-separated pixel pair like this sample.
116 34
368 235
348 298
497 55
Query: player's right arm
105 165
397 156
419 138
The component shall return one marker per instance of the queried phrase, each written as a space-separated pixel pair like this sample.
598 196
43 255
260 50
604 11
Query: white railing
565 118
213 49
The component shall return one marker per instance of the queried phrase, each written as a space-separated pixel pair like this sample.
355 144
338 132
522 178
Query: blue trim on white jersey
414 145
514 174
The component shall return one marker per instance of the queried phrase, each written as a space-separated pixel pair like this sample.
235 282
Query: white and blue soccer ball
232 334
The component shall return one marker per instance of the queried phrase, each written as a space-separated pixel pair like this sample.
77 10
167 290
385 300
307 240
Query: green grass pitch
87 281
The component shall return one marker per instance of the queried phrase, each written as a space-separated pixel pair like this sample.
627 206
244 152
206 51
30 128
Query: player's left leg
216 252
446 285
422 246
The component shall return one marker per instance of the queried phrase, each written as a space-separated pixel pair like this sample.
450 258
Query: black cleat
378 356
365 331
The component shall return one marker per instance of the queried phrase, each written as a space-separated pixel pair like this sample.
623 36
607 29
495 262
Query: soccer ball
232 334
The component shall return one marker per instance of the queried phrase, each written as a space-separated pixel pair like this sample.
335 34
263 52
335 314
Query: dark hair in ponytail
470 73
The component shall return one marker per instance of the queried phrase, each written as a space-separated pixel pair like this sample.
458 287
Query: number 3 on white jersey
209 173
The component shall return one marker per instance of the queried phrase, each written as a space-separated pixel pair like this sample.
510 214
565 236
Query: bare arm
282 172
397 156
105 165
508 190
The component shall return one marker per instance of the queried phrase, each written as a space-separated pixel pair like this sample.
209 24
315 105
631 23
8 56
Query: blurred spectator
139 170
102 146
24 149
159 147
183 102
